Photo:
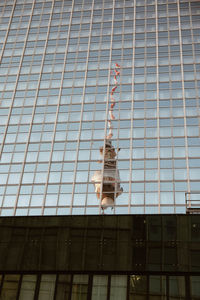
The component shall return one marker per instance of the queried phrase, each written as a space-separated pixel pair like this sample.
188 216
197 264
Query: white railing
192 200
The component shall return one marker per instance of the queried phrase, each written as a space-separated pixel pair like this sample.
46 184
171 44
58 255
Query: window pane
63 287
118 287
138 287
47 287
157 288
80 287
177 287
195 287
27 290
99 289
10 287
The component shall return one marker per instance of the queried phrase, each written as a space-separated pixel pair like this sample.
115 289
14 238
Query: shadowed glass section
157 288
177 287
10 287
195 287
63 287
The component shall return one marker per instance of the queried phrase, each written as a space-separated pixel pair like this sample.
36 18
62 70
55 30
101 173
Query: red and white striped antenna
112 105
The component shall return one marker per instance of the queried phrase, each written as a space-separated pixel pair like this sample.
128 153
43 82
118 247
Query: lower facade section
123 257
99 286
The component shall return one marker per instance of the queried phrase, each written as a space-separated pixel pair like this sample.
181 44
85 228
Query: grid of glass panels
55 82
98 287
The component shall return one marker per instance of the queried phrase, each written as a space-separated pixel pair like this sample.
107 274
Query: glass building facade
99 287
100 257
55 83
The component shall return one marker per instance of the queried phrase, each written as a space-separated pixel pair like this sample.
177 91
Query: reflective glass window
118 287
10 287
47 287
177 287
138 287
99 287
27 289
80 287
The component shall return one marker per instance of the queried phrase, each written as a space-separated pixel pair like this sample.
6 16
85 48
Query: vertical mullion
167 287
56 284
37 287
71 285
108 287
128 287
187 288
89 292
147 288
1 284
19 287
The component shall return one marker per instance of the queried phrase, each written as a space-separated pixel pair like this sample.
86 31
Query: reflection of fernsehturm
107 181
107 185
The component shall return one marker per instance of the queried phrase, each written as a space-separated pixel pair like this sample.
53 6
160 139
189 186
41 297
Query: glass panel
195 287
138 287
118 287
63 287
177 287
99 288
10 287
27 290
157 287
80 287
47 287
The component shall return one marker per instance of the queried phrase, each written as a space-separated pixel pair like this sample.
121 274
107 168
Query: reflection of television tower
107 185
110 181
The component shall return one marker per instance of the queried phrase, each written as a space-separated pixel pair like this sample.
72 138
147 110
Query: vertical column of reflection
107 106
145 114
171 108
195 69
17 77
157 96
57 110
183 93
82 106
99 62
119 102
93 121
171 103
14 92
132 112
8 28
34 105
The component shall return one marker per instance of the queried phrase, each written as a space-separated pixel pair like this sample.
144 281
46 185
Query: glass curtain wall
99 287
57 59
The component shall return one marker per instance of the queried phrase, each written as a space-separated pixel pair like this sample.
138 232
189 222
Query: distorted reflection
107 181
